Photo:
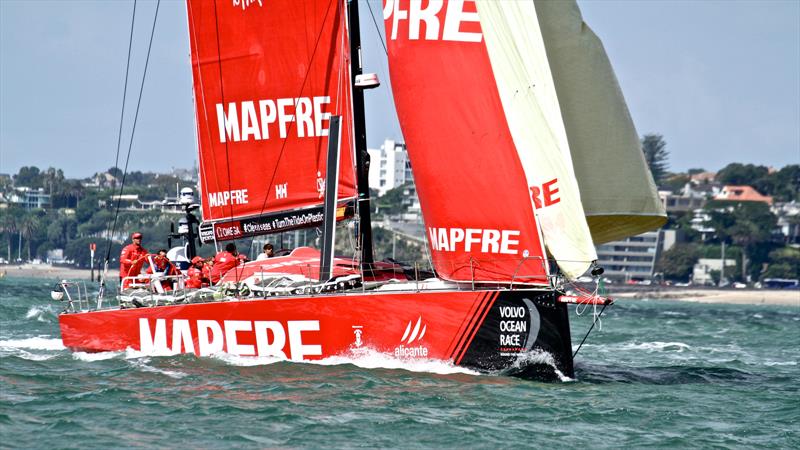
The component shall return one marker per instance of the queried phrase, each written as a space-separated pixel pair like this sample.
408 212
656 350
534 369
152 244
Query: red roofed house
742 194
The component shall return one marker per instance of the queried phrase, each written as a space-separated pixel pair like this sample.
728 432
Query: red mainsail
477 204
267 78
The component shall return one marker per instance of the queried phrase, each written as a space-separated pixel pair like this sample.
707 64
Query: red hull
484 330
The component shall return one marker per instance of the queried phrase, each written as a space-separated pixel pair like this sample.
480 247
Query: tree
8 226
28 176
747 224
695 171
655 152
783 263
745 174
28 226
677 263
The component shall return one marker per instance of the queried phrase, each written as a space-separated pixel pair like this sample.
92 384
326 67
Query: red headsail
267 77
477 204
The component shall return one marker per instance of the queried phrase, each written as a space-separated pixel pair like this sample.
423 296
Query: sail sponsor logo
225 198
474 239
254 120
244 4
546 194
451 24
214 336
282 190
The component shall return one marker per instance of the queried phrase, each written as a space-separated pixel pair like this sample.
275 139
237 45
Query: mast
359 125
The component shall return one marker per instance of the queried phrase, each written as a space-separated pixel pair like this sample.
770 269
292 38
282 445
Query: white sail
527 91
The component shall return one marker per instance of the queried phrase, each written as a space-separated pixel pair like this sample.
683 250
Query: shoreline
46 271
781 297
731 296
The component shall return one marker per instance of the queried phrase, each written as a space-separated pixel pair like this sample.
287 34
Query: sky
720 80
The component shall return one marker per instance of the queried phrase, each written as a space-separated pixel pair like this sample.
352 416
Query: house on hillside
742 194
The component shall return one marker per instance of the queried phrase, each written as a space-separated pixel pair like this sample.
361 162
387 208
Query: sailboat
523 152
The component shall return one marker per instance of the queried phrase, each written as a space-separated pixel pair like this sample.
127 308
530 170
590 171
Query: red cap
197 259
136 235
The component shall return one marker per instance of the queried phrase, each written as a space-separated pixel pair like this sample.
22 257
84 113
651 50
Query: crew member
130 256
164 267
268 252
224 261
198 275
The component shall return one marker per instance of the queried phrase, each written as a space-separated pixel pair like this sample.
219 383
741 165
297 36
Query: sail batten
267 79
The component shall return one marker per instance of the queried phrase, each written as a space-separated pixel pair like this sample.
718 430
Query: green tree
783 263
655 152
28 176
8 225
28 226
677 263
747 224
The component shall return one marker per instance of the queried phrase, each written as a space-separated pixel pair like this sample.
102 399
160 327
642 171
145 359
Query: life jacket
223 262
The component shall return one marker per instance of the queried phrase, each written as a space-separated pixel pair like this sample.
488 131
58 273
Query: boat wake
364 358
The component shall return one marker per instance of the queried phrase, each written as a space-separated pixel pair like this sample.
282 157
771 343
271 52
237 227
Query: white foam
658 345
39 313
540 357
367 358
99 356
364 357
141 364
34 343
246 361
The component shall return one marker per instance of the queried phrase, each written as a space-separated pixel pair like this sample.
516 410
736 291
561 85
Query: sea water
658 373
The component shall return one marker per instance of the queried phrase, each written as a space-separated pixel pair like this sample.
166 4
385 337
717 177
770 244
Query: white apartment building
389 167
634 257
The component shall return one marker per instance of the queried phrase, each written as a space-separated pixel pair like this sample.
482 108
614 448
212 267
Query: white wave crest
99 356
39 313
658 346
539 356
34 343
246 361
142 365
367 358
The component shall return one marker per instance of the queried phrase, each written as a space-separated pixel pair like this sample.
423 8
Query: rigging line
596 319
133 128
122 114
291 124
377 29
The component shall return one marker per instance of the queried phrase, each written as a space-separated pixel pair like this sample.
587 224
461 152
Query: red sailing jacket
223 262
130 254
197 278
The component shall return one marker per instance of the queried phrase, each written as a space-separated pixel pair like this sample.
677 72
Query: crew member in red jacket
164 266
223 262
130 256
198 275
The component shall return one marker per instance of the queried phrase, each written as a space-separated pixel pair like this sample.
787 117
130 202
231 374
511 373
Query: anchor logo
320 184
357 331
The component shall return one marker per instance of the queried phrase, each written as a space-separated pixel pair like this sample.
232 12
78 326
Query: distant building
131 202
702 273
687 200
742 194
28 198
703 177
788 220
634 257
389 167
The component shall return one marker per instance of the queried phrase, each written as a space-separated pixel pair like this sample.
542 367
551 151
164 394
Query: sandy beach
734 296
